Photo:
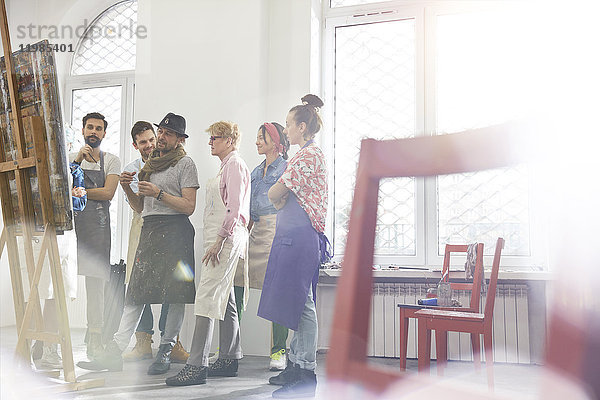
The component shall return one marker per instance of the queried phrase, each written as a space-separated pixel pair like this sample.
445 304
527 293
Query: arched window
102 80
108 44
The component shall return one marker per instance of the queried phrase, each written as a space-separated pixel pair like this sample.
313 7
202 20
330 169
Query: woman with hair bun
287 298
274 145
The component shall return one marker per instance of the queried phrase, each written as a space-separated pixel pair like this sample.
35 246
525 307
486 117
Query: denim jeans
131 318
303 347
147 322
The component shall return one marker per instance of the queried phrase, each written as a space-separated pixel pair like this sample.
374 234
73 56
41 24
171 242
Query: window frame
126 80
426 215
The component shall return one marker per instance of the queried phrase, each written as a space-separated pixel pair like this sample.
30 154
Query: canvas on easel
35 193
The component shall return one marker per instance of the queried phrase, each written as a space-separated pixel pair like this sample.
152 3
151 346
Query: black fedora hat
173 122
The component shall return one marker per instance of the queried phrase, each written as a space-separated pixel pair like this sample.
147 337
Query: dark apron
92 227
292 267
163 270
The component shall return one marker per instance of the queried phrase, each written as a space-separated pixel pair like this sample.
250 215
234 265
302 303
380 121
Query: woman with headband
299 244
273 144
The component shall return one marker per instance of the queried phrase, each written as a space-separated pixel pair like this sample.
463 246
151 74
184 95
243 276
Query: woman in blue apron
287 298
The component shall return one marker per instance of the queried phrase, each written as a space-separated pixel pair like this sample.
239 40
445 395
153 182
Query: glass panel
479 82
343 3
106 101
375 98
109 44
481 206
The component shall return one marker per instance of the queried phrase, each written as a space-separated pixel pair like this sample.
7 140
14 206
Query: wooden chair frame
468 151
443 321
407 311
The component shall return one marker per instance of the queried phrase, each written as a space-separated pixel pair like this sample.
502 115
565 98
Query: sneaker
212 359
223 367
162 362
142 349
278 361
189 375
178 354
304 385
50 358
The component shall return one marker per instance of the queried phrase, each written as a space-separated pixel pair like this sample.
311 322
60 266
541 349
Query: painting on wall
38 96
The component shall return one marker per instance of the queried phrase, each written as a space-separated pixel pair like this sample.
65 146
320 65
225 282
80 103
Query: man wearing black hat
163 271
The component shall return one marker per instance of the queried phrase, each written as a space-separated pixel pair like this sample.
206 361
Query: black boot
223 367
162 363
285 376
304 385
189 375
109 359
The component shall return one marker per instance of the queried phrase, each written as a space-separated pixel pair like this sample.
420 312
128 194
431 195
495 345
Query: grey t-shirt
172 180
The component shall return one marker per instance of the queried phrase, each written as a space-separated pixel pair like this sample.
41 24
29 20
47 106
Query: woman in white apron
226 215
273 144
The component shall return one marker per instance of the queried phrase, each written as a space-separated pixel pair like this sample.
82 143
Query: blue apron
292 268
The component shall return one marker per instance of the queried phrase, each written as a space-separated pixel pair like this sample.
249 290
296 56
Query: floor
512 381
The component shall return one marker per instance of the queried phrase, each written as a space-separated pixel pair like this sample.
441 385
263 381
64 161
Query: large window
102 80
404 71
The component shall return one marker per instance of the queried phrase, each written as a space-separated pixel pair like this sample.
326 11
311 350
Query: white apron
134 238
259 248
216 281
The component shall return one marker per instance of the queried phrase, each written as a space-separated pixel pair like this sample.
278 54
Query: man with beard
92 224
144 141
163 270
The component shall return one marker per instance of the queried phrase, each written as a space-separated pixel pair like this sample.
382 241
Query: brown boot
178 354
142 349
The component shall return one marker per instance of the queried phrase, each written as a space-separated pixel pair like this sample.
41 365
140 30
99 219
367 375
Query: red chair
476 324
407 311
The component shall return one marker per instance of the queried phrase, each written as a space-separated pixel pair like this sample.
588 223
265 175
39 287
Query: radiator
510 325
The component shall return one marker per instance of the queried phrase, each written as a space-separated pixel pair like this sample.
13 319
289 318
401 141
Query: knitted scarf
157 163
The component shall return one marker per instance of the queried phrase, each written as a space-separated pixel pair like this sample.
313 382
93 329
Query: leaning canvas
38 96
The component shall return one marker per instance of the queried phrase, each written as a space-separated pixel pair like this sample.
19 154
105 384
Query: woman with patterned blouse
300 195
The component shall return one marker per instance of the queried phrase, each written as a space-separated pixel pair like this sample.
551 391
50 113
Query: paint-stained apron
164 265
216 281
261 239
293 264
92 227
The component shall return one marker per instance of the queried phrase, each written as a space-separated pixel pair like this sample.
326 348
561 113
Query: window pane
481 206
106 101
479 82
109 43
375 98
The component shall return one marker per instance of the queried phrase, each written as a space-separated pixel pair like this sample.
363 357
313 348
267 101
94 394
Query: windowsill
506 274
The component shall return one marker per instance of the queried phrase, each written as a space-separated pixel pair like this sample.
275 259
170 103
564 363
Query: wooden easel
30 313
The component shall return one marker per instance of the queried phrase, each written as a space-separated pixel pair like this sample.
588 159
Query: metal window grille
107 101
109 43
375 98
